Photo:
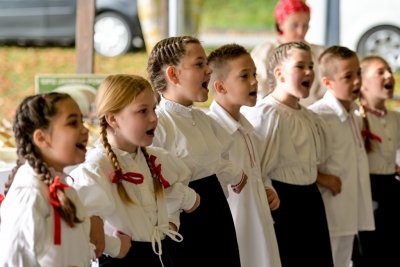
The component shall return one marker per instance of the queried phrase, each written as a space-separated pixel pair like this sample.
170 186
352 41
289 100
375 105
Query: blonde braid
114 160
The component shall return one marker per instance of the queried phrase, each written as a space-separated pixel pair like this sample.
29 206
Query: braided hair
279 55
167 52
37 112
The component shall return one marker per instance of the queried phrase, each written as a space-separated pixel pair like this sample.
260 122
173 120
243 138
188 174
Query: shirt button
193 123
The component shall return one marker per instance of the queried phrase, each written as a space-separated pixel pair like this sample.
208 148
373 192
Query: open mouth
306 84
150 132
82 146
253 93
356 91
389 86
205 85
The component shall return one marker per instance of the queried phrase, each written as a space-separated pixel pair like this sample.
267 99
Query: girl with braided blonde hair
43 221
137 192
179 71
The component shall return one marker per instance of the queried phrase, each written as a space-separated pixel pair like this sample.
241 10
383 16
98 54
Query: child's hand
97 237
125 244
273 199
173 227
332 182
237 188
196 204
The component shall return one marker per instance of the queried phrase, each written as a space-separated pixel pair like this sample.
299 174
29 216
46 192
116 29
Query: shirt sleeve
227 172
93 187
24 229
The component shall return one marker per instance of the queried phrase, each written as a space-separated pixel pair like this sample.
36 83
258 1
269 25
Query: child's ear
219 87
278 74
170 73
40 138
326 82
111 120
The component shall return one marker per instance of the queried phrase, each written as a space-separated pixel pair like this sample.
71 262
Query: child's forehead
194 50
377 63
238 63
298 54
353 60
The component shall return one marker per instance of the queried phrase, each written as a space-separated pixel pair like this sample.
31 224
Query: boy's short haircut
217 60
279 55
328 59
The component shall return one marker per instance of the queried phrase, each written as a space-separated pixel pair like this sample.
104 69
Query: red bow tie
55 202
156 171
369 134
132 177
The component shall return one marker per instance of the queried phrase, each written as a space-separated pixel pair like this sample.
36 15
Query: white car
366 26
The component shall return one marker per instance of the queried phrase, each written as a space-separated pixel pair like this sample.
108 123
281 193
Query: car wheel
112 35
383 41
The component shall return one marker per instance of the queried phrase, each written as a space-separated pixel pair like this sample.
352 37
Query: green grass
238 15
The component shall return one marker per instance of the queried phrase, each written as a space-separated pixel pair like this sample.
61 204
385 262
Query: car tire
112 35
384 41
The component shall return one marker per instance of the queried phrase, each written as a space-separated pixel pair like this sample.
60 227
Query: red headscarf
285 8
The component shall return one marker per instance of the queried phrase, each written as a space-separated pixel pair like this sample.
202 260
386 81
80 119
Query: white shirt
27 226
148 216
289 141
250 209
194 137
261 55
351 210
382 160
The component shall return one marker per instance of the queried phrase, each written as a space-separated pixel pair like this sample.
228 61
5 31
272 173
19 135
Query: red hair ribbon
132 177
55 202
1 198
156 170
369 134
285 8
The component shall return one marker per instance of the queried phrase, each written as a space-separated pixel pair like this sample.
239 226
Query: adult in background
292 21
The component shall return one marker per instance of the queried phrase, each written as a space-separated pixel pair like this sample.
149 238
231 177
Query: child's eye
73 123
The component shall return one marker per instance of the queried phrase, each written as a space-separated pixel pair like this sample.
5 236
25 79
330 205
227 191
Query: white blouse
382 160
27 226
149 216
351 210
250 209
289 141
198 140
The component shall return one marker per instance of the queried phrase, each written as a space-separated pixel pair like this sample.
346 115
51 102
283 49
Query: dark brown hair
37 112
167 52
